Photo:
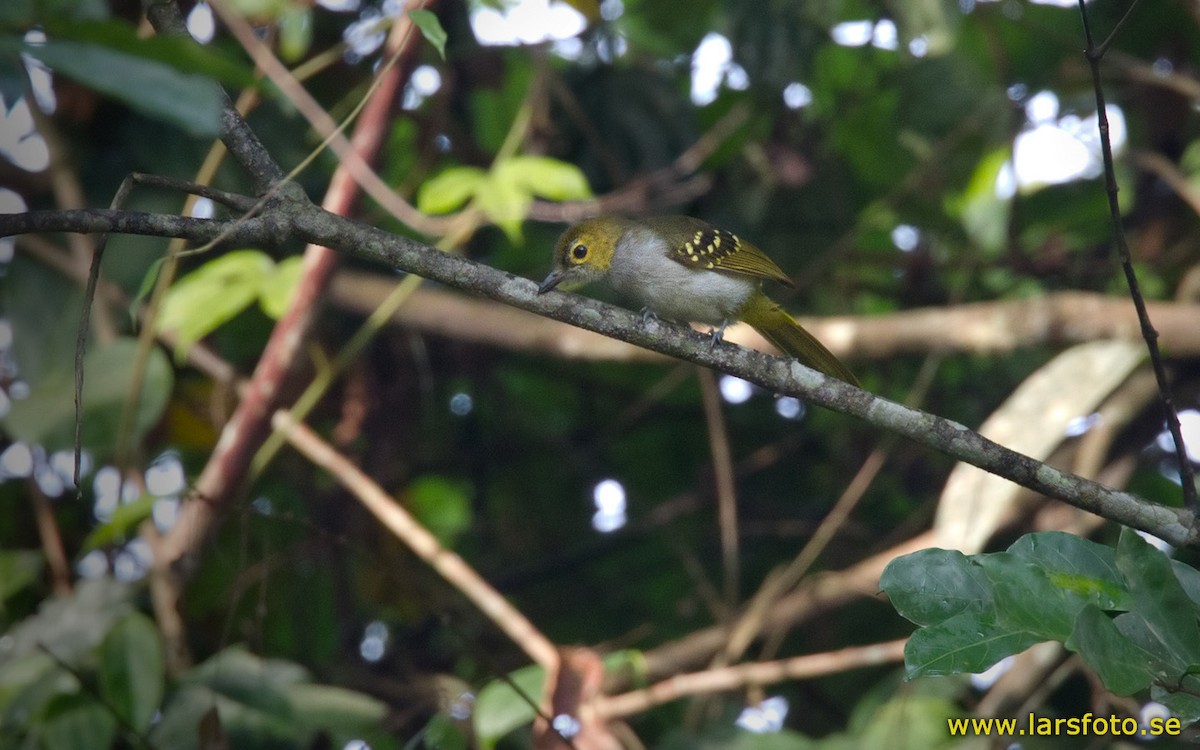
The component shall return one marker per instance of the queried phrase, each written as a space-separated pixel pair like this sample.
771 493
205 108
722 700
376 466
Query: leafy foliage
431 29
220 289
87 669
187 101
874 150
506 191
1125 611
47 416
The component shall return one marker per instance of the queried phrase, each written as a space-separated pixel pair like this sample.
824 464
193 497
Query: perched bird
684 269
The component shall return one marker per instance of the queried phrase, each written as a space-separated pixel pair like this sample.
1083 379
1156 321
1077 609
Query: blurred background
930 175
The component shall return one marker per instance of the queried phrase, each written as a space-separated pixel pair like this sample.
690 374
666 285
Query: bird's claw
717 334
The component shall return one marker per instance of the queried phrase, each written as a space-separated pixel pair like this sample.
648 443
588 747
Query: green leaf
442 504
185 709
932 585
450 189
1083 567
183 53
1189 579
443 733
245 725
264 703
984 215
1134 627
968 642
295 31
541 175
1050 586
78 722
329 707
149 279
132 670
279 286
247 679
501 709
122 525
919 719
1182 700
72 626
45 311
1113 656
18 569
190 102
505 201
28 683
1025 599
213 294
431 28
47 416
1159 597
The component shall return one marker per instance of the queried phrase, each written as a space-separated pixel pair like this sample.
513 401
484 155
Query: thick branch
782 376
779 375
236 134
271 229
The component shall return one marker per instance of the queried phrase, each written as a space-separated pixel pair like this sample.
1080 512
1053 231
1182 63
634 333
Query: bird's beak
554 279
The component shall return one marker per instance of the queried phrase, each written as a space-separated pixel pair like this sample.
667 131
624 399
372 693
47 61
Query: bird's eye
579 252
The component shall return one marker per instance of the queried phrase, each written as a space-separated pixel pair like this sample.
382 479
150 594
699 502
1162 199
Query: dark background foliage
869 171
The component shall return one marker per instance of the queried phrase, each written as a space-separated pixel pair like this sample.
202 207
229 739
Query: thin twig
760 673
668 185
424 545
750 624
81 333
86 684
51 539
1094 55
718 446
330 131
1170 173
1099 53
815 596
236 201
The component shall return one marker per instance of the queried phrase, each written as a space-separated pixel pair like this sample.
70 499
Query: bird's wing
715 249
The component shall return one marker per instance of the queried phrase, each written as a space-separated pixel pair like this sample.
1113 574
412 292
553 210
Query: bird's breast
674 291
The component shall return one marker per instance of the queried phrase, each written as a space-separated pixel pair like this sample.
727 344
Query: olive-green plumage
684 269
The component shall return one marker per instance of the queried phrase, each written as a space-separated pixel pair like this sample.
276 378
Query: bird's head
584 253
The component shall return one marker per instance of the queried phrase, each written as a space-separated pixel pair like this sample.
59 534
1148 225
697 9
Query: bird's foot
647 316
718 334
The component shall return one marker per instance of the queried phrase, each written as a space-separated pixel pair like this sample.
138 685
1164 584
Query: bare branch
257 230
754 673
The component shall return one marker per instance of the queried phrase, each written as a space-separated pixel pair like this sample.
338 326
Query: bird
684 269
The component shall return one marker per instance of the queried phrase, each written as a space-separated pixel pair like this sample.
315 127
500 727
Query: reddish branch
226 470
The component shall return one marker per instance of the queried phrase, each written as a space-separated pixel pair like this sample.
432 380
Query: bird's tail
782 330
